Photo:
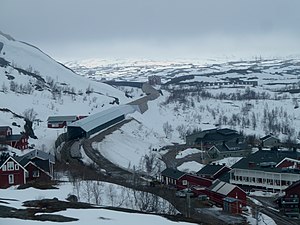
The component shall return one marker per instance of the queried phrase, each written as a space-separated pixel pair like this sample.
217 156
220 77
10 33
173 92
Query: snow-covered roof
39 154
97 119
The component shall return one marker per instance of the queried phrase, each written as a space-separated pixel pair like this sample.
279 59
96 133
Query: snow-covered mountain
32 80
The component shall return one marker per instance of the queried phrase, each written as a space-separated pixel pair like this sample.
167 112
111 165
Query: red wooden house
289 163
62 121
19 141
222 193
11 171
39 165
170 176
289 204
182 180
189 180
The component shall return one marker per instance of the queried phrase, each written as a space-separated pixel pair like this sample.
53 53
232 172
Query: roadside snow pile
186 152
190 167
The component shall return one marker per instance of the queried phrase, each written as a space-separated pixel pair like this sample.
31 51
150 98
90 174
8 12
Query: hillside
35 85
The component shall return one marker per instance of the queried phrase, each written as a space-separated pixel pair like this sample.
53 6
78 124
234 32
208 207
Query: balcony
290 200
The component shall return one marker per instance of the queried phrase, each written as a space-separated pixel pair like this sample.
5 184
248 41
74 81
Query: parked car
184 192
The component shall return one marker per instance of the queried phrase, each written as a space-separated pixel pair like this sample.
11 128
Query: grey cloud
113 26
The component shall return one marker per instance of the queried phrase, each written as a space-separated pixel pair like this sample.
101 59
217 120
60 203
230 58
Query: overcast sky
154 29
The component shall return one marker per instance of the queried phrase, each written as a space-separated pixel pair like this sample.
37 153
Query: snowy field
99 216
106 195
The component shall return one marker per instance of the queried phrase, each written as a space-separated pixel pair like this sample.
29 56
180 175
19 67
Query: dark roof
266 137
172 173
226 131
62 118
4 128
14 137
39 154
236 146
218 135
39 163
210 169
266 160
3 157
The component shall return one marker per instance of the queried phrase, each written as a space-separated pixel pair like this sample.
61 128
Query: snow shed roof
91 122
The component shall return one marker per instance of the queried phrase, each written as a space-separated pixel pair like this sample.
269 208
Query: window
184 182
17 166
36 173
4 168
10 166
11 179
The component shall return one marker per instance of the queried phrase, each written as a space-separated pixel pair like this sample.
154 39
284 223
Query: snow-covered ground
128 146
94 192
99 216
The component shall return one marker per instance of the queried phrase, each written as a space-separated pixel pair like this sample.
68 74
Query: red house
189 180
170 176
289 204
11 172
289 163
182 180
222 194
39 165
19 141
62 121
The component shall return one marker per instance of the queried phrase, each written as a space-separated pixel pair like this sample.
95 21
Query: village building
35 166
289 204
269 141
230 197
11 171
182 180
99 121
39 164
60 121
219 143
267 169
19 141
213 171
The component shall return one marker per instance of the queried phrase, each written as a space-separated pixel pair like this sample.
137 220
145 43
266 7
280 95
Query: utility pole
188 202
257 214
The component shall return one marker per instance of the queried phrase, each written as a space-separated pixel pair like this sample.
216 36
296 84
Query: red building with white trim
19 141
11 172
